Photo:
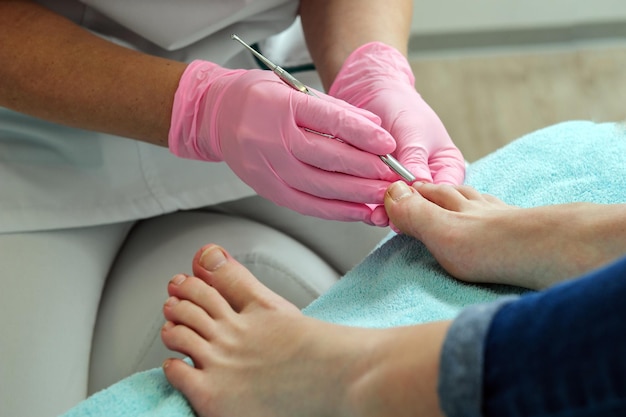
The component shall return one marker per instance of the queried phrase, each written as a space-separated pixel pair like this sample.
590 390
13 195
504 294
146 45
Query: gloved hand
378 78
256 123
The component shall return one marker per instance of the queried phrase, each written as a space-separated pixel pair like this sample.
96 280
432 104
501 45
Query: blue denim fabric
560 352
461 368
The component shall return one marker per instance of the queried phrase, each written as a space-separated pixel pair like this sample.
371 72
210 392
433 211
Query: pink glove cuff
369 61
188 114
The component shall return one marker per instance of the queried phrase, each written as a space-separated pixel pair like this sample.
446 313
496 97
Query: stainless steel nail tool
294 83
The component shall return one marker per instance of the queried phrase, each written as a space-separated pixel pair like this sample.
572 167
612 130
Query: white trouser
64 288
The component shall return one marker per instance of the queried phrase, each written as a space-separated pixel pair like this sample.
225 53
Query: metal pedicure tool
294 83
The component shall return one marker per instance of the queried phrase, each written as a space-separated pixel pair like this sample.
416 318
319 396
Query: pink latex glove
256 123
378 78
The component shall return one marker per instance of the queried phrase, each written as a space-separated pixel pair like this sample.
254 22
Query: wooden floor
487 101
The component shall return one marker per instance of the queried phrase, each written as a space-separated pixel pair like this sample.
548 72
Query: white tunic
55 177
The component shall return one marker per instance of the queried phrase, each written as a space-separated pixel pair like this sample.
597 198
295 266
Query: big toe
232 280
408 210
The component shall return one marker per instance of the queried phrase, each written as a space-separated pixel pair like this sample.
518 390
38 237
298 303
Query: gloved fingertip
422 175
376 140
374 118
387 138
450 178
379 217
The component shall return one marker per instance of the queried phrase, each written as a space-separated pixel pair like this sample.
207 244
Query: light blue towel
400 283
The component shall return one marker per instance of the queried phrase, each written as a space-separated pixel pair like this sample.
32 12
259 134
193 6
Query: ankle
399 374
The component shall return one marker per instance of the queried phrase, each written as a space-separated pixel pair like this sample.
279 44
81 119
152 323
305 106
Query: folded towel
400 283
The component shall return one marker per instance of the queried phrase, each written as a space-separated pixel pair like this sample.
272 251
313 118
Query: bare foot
478 238
256 355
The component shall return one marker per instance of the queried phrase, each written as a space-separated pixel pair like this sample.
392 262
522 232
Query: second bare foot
256 355
478 238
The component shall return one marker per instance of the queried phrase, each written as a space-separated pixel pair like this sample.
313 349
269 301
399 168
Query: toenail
168 325
178 279
172 301
399 190
212 258
394 228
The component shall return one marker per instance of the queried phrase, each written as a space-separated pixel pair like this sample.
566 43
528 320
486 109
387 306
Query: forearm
333 29
56 70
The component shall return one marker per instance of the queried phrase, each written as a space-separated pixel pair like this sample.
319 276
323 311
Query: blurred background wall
496 69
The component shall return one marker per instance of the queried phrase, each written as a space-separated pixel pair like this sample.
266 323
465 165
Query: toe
184 340
405 207
445 196
201 294
191 315
232 280
470 193
185 378
195 385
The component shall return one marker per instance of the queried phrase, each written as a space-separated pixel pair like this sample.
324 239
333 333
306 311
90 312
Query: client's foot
256 355
478 238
